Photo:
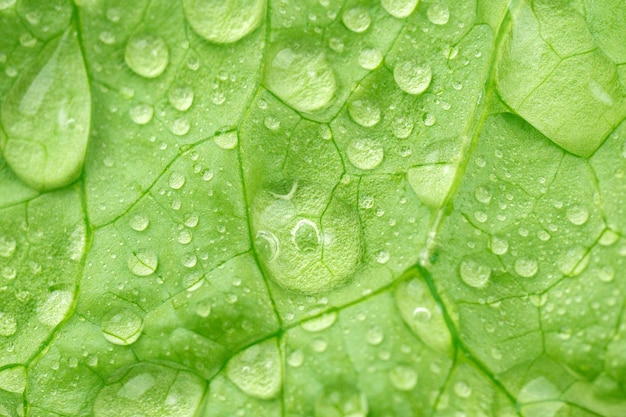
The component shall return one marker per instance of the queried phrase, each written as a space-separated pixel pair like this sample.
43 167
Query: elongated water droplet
320 323
46 116
302 77
365 154
224 21
256 370
122 327
147 55
412 76
399 8
143 263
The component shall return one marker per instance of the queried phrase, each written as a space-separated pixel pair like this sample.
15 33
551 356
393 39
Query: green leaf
314 208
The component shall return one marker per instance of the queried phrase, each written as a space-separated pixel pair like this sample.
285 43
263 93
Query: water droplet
141 114
365 154
224 21
122 327
7 247
412 76
342 401
54 309
147 55
176 180
608 237
577 215
498 245
267 244
107 37
429 119
9 272
143 263
526 267
402 127
370 58
357 19
438 14
364 112
474 274
375 336
319 345
139 222
8 324
403 378
272 123
181 97
573 261
180 126
296 359
462 389
227 140
482 194
305 235
13 379
320 323
382 257
203 308
606 273
256 371
46 116
302 77
399 8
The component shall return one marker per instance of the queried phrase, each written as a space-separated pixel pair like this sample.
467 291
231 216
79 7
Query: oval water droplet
7 247
302 77
141 114
256 371
498 245
482 194
8 324
526 267
412 76
147 55
438 14
462 389
577 215
399 8
227 140
375 336
364 112
176 180
474 273
370 58
357 19
296 359
224 21
402 127
306 236
122 327
46 116
55 307
143 262
181 97
139 222
320 323
365 154
403 378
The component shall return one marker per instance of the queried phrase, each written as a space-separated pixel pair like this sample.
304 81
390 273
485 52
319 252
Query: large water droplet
412 76
256 370
370 58
577 215
474 274
526 267
176 180
181 97
227 141
498 245
46 116
122 327
147 55
143 263
364 112
403 378
399 8
365 154
139 222
357 19
302 77
224 21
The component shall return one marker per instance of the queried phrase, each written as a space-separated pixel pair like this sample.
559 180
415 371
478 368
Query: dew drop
7 247
399 8
141 114
402 127
143 263
498 245
343 401
412 76
180 126
54 309
577 215
122 327
224 21
320 323
382 257
364 112
482 194
357 19
147 55
139 222
176 180
302 77
474 274
267 244
370 58
272 123
181 97
438 14
462 389
375 336
365 154
526 267
8 324
306 236
227 140
403 378
295 359
256 371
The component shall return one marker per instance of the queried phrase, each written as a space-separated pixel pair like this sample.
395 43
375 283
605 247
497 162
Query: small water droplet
143 263
272 123
227 140
399 8
180 126
412 76
267 244
375 336
462 389
176 180
403 378
498 245
577 215
364 112
429 119
606 273
7 247
147 55
482 194
370 58
181 97
526 267
357 19
141 114
139 222
365 154
474 274
438 14
295 359
122 327
8 324
382 257
402 127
